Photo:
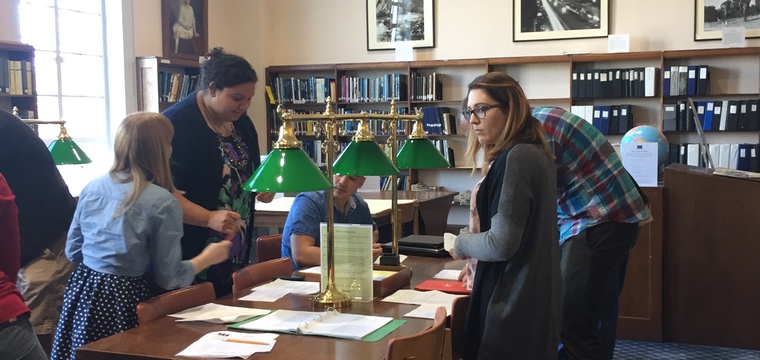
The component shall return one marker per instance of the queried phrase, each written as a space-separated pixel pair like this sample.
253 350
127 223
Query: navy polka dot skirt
95 306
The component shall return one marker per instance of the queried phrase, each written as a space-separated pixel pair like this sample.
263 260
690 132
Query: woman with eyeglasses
516 300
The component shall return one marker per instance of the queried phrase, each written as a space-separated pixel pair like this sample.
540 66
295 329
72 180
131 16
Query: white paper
218 314
733 36
404 51
279 288
433 298
448 241
640 159
447 274
352 255
425 312
218 345
618 43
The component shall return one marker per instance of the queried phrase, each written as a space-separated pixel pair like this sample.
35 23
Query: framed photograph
392 23
560 19
711 16
184 27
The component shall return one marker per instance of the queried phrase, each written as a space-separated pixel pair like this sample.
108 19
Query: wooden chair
268 247
456 324
174 301
408 212
428 344
260 272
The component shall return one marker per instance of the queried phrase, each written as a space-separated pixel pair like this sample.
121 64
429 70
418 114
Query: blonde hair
521 126
142 149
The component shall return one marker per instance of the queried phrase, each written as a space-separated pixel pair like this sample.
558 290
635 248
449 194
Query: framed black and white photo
184 27
711 16
394 23
560 19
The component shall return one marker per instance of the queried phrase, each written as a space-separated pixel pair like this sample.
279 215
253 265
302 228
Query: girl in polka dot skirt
126 222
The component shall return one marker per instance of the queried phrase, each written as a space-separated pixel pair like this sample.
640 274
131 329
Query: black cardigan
197 165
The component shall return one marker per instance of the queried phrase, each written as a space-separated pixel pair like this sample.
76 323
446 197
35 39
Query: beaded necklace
235 152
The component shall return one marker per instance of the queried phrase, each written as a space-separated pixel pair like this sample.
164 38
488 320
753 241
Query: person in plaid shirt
599 208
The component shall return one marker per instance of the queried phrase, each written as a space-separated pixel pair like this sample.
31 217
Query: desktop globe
648 134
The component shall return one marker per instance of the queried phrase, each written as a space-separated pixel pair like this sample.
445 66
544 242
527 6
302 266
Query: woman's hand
213 254
377 250
223 221
265 197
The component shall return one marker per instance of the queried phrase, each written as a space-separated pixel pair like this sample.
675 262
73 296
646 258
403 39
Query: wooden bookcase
161 82
18 79
547 81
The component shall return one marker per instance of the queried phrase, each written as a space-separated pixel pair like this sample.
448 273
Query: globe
648 134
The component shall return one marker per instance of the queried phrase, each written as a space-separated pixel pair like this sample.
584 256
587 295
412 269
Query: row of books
401 181
448 153
713 115
608 119
613 83
380 89
686 80
15 77
439 121
310 90
426 87
175 86
729 156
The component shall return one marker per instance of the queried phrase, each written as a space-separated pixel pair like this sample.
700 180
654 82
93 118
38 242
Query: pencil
246 342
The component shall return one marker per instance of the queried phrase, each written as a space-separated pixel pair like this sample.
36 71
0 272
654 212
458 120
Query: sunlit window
67 36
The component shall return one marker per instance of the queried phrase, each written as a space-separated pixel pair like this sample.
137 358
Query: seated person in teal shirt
300 237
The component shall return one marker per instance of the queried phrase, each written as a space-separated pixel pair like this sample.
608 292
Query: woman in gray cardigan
515 307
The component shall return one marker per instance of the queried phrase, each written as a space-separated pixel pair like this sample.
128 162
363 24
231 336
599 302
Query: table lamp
279 173
417 153
63 150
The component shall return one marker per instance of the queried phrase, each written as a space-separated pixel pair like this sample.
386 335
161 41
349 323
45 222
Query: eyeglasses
479 111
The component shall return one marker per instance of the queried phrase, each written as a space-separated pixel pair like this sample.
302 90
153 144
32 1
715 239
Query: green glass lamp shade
66 152
420 154
364 158
287 170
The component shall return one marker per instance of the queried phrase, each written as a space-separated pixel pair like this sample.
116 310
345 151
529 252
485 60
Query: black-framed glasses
479 111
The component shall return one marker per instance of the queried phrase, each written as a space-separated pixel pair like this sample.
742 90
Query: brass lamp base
331 298
390 260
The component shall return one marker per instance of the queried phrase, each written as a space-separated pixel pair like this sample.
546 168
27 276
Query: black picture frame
574 18
186 42
396 23
711 16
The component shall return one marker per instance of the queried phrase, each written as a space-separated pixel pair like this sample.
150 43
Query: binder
709 114
683 79
743 161
674 81
581 84
626 118
714 153
605 120
732 117
692 154
753 160
603 84
617 84
673 153
733 157
723 116
666 82
650 79
589 83
701 113
614 119
597 119
741 122
725 156
574 85
703 80
753 117
669 117
691 81
596 88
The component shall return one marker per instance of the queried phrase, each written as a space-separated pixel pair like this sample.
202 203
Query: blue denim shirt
147 235
310 208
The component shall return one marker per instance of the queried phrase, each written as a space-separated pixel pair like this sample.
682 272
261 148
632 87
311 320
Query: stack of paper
227 344
428 301
447 274
218 314
279 288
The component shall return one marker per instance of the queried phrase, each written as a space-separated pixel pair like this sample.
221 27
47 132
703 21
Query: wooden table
164 338
433 209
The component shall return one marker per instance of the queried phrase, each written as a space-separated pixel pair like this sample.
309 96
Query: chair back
268 247
259 273
425 345
456 324
175 301
408 213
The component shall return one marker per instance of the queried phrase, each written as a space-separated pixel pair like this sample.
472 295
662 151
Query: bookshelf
162 82
18 79
547 81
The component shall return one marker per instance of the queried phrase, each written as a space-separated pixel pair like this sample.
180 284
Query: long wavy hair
142 149
521 126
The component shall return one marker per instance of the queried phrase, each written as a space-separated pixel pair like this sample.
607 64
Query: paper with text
278 288
218 314
227 344
352 259
327 323
447 274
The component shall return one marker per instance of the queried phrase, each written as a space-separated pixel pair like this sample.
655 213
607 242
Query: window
70 65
